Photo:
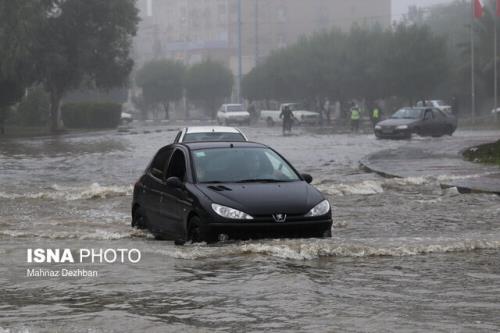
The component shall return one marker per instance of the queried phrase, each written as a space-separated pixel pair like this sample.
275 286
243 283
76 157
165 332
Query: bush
34 108
91 115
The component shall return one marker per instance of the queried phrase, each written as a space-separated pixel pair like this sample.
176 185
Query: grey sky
401 6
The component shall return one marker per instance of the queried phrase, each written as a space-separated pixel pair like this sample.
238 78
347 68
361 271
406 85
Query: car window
278 164
158 165
177 166
213 136
407 113
235 108
241 165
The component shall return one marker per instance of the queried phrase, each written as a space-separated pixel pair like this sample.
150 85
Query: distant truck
272 117
436 103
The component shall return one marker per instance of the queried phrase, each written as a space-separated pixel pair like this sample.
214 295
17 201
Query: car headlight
378 127
230 213
402 127
320 209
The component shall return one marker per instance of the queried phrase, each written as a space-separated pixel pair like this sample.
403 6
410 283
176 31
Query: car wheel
270 122
139 220
196 234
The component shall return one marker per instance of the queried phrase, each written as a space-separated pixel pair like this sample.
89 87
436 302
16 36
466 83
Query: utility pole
240 65
473 78
495 43
257 51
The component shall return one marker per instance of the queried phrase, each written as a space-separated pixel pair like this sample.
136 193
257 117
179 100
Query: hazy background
400 7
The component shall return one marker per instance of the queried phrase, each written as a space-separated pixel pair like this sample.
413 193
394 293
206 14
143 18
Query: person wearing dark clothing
252 111
287 116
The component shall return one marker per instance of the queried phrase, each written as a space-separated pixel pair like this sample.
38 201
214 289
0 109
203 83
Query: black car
200 191
419 120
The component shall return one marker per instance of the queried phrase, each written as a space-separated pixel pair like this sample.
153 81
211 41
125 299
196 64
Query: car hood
397 122
264 198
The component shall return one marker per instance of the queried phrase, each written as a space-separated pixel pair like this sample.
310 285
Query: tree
162 82
19 21
209 83
33 110
84 41
10 92
415 62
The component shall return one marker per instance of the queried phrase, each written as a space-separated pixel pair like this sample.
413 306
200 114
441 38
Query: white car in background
436 103
210 134
271 117
233 113
126 118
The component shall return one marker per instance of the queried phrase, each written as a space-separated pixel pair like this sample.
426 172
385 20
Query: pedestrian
287 115
252 111
375 115
355 117
326 107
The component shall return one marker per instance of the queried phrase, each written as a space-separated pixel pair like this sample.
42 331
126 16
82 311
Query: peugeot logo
279 217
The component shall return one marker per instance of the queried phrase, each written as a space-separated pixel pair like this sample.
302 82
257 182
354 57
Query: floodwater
405 255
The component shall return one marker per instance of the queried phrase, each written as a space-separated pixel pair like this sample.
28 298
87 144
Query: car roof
232 104
213 129
220 144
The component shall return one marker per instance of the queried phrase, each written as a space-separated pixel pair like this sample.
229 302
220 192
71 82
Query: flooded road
405 255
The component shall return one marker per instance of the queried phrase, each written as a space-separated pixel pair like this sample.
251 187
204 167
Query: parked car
209 133
200 191
435 103
416 120
233 113
126 118
272 117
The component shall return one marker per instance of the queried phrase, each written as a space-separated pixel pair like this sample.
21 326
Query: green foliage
161 81
209 83
487 153
115 95
91 115
34 108
416 63
64 43
11 91
366 63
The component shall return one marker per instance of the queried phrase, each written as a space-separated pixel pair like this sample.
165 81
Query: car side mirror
307 177
175 182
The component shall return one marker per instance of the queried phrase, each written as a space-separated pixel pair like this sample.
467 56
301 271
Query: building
191 30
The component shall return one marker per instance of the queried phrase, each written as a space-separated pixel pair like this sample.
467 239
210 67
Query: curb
463 189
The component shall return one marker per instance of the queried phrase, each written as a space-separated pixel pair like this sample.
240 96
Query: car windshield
213 136
235 108
241 165
408 114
